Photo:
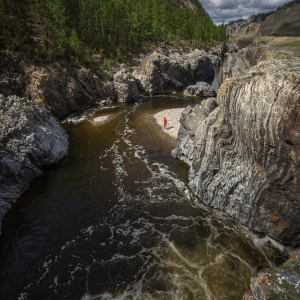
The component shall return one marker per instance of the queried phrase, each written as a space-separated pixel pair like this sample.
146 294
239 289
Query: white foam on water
158 243
83 116
23 296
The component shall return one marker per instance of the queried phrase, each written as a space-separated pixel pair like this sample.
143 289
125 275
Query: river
116 220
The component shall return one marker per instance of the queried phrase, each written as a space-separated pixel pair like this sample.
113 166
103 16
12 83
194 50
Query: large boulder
200 89
29 139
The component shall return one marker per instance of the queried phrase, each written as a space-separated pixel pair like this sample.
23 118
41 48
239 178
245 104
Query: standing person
165 123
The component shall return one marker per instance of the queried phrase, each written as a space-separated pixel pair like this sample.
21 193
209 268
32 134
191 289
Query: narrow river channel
116 220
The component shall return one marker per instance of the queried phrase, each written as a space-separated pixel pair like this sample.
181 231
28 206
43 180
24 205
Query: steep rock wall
244 149
29 139
59 87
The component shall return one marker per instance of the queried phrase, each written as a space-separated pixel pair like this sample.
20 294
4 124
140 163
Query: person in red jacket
165 123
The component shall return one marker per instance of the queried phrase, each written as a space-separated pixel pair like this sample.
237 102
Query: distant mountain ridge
285 21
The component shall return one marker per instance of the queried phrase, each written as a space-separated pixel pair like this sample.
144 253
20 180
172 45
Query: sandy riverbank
173 116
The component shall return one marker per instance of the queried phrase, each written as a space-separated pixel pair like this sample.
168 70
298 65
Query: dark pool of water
116 220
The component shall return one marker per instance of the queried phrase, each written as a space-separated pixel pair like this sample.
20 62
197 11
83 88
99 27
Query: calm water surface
116 220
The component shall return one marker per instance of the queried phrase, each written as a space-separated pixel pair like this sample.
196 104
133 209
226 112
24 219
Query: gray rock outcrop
243 149
64 89
59 87
126 85
247 27
200 89
163 72
237 64
29 139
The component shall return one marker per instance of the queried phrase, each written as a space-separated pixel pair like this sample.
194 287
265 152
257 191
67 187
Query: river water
116 220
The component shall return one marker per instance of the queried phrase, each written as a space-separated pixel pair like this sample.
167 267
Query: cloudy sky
231 10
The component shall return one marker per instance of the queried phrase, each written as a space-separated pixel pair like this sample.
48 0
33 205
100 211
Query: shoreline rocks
29 139
200 89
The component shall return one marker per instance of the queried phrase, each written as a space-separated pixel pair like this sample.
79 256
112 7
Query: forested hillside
75 29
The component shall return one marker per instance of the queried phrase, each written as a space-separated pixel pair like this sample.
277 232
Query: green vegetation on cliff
75 29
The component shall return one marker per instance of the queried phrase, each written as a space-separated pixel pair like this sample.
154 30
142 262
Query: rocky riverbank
30 138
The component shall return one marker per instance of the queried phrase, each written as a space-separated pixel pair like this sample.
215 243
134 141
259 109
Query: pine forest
77 29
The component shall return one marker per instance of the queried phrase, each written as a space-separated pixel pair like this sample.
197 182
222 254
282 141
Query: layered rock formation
243 149
29 139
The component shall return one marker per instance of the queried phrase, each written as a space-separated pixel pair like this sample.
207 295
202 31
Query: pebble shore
172 116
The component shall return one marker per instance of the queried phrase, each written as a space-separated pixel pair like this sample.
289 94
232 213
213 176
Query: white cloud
229 10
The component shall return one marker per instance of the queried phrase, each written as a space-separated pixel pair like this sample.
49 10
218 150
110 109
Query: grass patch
288 46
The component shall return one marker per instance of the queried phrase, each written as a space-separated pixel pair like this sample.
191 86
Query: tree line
76 28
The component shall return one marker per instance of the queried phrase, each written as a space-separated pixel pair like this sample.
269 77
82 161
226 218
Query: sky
231 10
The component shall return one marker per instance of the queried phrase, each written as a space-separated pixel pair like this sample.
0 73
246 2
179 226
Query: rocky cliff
59 87
29 139
243 149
